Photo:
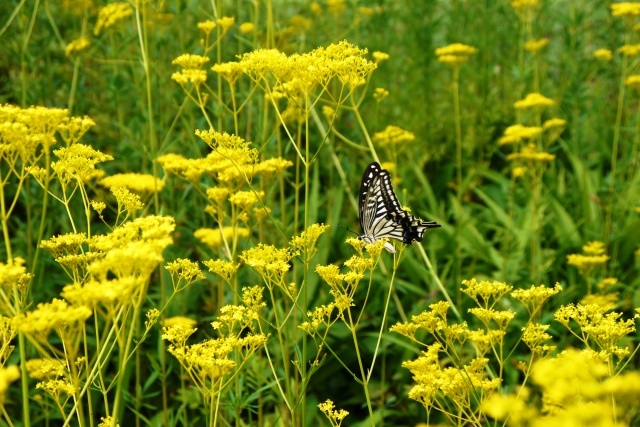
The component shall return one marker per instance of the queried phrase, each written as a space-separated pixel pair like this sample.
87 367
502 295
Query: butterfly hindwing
380 212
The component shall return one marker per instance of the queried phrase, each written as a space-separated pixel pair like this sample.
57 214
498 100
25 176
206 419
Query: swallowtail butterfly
381 214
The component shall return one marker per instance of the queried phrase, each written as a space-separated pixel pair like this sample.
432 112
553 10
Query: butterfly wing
380 212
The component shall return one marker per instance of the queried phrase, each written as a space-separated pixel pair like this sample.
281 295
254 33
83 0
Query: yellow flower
380 56
536 45
179 320
127 201
77 46
336 6
316 9
246 27
486 290
516 133
77 162
534 100
190 62
534 297
633 81
230 71
534 334
110 15
138 182
7 376
246 199
630 49
393 136
184 269
455 54
604 54
625 9
53 315
307 239
107 422
531 154
380 93
518 172
214 237
226 22
271 263
71 129
523 4
552 123
206 26
335 417
486 315
224 269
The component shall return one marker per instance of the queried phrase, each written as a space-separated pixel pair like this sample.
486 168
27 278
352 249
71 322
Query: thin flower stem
438 282
616 140
365 382
396 262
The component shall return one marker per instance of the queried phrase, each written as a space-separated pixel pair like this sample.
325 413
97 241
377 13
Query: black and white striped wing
381 214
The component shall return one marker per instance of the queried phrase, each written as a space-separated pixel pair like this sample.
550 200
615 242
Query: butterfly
380 212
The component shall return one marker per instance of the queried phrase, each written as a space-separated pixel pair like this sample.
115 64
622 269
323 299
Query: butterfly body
381 214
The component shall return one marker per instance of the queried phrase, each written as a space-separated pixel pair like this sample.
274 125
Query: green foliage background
487 235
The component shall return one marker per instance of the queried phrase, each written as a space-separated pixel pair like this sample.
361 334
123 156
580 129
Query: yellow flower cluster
7 376
625 9
110 15
380 93
75 163
485 293
343 61
536 45
393 136
534 335
270 262
633 81
523 4
191 69
247 27
597 328
215 237
630 49
534 297
127 201
77 46
604 54
431 321
184 270
57 314
335 417
13 274
594 255
576 390
245 200
138 182
459 384
530 153
379 56
534 100
455 54
224 269
306 241
209 361
516 133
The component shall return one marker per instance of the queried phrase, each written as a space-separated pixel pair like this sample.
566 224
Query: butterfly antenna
347 228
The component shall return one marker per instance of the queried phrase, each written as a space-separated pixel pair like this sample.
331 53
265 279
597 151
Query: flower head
455 54
110 15
534 100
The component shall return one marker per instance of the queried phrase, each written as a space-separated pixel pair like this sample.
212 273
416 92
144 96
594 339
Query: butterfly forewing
380 212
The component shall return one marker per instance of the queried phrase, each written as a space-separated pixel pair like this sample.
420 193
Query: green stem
616 139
